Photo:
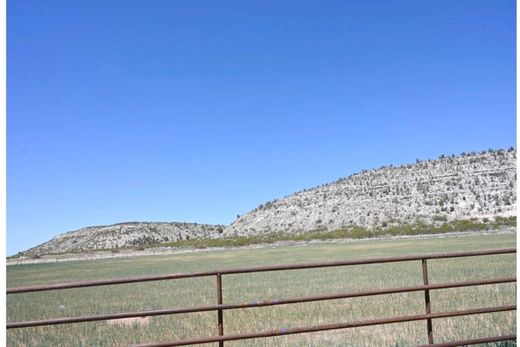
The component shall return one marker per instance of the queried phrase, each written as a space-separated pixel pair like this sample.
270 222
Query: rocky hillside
123 235
451 188
474 185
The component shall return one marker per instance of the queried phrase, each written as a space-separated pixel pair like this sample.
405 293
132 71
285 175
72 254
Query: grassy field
274 285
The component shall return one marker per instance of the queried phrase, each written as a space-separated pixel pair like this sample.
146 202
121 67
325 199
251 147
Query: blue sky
201 110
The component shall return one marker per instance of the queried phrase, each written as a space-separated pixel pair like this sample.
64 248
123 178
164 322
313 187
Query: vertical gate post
427 301
220 316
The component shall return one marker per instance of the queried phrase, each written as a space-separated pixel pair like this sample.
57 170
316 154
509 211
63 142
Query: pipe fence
220 307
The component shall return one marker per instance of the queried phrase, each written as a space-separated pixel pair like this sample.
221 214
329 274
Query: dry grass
135 321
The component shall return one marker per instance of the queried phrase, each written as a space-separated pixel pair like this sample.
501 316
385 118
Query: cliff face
475 185
125 235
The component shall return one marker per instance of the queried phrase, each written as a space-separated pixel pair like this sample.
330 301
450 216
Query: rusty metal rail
325 327
220 307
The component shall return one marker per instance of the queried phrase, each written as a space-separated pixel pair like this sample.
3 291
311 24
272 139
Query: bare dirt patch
142 321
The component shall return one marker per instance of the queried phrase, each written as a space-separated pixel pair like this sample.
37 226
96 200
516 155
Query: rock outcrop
474 185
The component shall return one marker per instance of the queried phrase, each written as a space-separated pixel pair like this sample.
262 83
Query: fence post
427 301
220 316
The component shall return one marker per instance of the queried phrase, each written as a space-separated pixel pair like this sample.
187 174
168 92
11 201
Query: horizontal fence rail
257 269
220 307
256 303
325 327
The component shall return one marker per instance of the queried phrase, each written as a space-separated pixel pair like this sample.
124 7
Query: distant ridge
124 235
471 186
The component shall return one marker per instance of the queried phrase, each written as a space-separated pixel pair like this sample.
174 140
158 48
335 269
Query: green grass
273 285
354 232
439 226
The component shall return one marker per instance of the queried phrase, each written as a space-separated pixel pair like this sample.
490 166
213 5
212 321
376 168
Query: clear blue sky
201 110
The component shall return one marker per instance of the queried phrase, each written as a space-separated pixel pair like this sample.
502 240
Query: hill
124 235
477 185
472 191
